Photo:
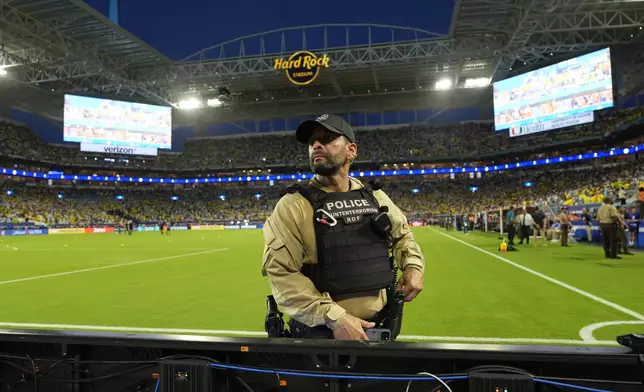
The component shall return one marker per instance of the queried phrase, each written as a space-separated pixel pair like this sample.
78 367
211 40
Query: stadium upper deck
57 46
423 145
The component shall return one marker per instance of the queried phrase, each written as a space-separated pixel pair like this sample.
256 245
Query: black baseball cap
333 123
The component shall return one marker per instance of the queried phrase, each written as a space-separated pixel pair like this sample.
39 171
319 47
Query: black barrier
79 361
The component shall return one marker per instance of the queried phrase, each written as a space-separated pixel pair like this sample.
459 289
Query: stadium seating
380 145
96 204
85 206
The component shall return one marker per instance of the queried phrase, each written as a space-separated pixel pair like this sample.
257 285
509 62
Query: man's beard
329 167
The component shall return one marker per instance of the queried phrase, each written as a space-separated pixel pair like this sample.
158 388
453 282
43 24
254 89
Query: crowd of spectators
413 141
420 197
471 139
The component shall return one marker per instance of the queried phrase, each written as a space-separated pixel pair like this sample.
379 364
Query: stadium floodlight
444 84
477 82
214 102
191 103
2 72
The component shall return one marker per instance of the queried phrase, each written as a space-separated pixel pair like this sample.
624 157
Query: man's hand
410 283
349 327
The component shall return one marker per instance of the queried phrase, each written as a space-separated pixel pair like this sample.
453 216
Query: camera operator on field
330 246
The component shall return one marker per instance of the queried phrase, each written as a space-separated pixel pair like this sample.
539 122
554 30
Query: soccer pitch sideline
209 283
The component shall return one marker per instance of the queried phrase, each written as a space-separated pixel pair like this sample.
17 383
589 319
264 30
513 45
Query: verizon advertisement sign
107 149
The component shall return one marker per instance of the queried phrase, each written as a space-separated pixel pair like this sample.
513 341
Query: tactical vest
353 258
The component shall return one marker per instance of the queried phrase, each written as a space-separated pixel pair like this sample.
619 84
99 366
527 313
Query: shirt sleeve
620 217
282 262
613 212
406 250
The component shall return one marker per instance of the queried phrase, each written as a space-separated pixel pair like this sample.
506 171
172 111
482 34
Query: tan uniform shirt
563 219
289 240
607 214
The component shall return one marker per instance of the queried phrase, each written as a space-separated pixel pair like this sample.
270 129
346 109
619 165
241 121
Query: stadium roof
537 29
66 46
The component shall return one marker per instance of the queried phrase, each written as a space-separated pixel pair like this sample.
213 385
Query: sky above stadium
180 28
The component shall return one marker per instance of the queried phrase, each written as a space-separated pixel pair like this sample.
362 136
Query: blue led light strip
370 173
335 375
339 376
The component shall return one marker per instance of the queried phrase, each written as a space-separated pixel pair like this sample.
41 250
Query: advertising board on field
208 227
147 228
99 230
236 227
67 231
10 233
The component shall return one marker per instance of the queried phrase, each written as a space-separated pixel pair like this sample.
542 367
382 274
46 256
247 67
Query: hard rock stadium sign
302 67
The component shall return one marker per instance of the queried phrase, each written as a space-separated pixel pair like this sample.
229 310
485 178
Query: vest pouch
382 224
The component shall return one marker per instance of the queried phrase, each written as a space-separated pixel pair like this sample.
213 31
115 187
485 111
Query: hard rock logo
302 67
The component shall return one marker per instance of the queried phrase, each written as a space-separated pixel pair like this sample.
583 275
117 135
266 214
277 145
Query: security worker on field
622 227
608 220
565 226
330 245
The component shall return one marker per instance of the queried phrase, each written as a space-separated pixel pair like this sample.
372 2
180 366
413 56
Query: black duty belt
302 331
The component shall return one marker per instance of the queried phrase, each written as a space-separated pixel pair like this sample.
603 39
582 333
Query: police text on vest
343 204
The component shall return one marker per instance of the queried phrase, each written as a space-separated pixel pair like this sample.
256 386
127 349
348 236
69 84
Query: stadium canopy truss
536 30
66 46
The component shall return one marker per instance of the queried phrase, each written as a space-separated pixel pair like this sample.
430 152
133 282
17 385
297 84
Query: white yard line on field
110 266
506 340
586 333
263 334
586 294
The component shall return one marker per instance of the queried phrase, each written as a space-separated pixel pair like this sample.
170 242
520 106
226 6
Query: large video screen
96 121
558 95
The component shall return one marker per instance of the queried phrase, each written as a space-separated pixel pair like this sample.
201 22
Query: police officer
607 217
588 220
328 267
622 243
509 223
565 226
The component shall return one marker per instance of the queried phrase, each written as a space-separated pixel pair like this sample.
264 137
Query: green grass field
209 283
